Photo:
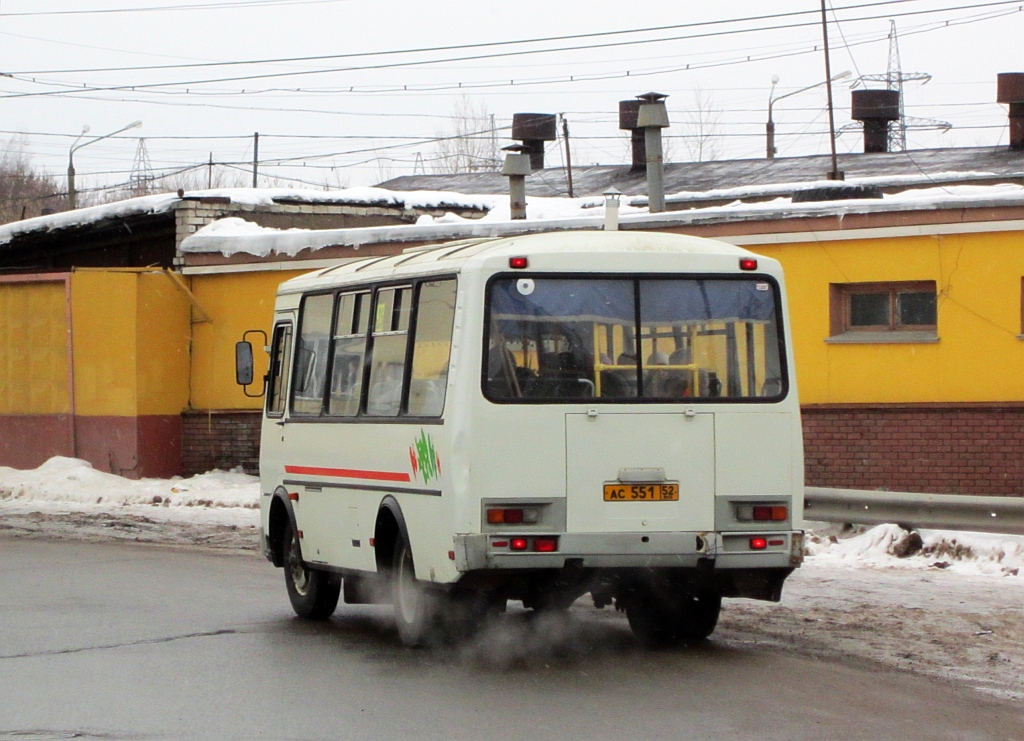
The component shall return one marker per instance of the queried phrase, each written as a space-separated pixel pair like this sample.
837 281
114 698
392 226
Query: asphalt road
127 641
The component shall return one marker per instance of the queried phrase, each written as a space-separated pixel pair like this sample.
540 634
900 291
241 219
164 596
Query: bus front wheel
415 607
314 594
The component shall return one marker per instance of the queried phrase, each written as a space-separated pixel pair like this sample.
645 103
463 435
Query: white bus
534 418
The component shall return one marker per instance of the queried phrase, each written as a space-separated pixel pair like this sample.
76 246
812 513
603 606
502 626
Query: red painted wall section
159 445
29 440
133 447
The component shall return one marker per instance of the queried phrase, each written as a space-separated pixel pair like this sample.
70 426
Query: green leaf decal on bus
424 458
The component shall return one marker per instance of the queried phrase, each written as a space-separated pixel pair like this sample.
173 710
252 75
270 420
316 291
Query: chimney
652 118
533 129
876 108
628 110
517 167
1010 90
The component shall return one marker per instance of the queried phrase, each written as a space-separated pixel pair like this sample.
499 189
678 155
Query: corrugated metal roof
929 166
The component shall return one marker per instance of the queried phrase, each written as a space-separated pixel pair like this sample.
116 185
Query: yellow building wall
236 302
131 343
103 317
34 348
978 356
163 336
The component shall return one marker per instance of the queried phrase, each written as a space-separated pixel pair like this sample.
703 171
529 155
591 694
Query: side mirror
243 363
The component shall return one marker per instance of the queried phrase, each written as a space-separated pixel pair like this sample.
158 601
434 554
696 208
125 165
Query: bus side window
311 363
280 349
435 316
387 356
350 327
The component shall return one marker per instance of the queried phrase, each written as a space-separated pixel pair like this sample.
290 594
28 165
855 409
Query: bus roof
454 257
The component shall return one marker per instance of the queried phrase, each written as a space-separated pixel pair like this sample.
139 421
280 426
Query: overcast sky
363 111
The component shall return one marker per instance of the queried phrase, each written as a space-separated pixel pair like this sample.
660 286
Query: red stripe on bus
348 473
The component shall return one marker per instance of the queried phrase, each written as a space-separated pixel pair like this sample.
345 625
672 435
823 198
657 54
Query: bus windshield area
633 339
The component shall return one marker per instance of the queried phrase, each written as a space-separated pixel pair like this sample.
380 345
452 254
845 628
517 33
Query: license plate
641 492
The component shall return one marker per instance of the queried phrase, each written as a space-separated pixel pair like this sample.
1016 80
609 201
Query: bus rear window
633 339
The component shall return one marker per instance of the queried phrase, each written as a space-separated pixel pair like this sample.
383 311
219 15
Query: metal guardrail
939 511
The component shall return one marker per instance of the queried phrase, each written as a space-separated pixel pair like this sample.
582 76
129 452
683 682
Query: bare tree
703 127
468 143
26 192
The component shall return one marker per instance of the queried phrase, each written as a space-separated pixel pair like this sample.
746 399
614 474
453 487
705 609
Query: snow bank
69 484
892 547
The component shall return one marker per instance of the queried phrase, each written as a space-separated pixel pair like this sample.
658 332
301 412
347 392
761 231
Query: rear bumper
634 550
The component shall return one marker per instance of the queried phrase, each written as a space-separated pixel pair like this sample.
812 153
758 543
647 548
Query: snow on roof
233 236
434 200
79 217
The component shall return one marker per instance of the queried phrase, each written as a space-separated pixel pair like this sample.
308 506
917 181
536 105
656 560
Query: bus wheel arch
388 529
415 604
281 515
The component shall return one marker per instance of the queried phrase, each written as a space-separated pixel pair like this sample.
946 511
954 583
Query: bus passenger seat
682 356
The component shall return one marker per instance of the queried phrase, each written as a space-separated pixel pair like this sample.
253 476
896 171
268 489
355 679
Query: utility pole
568 154
495 161
834 174
209 173
256 155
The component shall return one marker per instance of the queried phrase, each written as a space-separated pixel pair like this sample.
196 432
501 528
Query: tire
313 593
659 621
416 608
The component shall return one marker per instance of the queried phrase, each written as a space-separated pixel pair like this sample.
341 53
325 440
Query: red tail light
518 263
758 544
513 516
518 544
545 545
763 513
748 263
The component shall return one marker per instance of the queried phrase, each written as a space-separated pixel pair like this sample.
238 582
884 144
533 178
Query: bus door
637 472
272 435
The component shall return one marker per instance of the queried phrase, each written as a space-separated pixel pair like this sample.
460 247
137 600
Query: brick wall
940 449
220 439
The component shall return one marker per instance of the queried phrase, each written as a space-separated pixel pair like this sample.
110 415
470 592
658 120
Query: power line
191 6
158 87
453 47
499 54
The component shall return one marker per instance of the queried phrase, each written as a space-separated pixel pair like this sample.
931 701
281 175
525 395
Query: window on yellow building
884 312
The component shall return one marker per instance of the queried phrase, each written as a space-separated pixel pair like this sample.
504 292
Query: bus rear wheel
416 608
659 620
314 594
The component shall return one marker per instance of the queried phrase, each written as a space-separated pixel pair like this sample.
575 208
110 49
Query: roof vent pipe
1010 90
516 168
628 110
876 108
652 118
533 129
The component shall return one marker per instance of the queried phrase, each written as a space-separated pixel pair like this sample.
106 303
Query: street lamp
72 193
770 126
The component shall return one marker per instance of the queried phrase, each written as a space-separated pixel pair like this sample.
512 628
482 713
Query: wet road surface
128 641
